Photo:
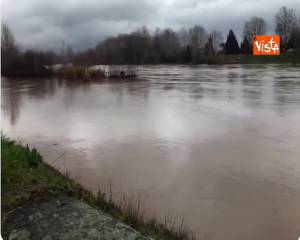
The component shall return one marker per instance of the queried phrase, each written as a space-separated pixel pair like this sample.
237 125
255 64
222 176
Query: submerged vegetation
72 72
25 177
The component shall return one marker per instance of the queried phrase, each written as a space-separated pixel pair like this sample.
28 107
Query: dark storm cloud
47 23
80 23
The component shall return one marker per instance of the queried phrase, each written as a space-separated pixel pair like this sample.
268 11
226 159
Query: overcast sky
82 23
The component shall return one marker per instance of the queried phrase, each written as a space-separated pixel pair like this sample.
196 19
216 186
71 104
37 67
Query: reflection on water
218 144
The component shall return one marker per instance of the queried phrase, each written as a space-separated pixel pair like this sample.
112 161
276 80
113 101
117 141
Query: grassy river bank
26 179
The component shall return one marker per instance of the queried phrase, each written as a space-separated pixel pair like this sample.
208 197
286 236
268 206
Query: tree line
193 45
18 63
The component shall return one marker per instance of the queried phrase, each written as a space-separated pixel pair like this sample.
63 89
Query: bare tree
286 22
198 36
170 44
7 38
297 36
143 44
9 50
217 39
255 26
183 36
69 54
209 49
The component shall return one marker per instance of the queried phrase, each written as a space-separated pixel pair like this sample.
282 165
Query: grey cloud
45 24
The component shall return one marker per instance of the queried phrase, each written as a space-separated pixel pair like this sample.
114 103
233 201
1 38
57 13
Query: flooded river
217 145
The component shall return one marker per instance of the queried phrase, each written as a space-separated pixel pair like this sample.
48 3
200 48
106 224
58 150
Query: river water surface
219 145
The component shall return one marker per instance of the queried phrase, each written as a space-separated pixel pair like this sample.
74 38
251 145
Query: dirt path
65 218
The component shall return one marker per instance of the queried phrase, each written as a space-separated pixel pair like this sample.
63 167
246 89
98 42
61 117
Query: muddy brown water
217 145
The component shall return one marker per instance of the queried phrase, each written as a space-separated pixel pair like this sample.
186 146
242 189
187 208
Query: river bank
242 59
37 196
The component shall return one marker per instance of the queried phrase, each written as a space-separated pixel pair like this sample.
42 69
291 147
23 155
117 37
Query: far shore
76 71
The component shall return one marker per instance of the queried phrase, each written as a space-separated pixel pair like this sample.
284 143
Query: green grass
283 58
25 177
